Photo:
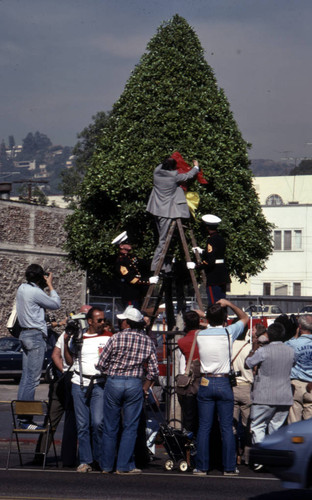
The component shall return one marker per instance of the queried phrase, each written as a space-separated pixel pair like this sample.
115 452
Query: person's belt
90 377
215 375
31 328
219 261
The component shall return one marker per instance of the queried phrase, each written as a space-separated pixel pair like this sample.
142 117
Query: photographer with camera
59 375
215 388
82 348
31 303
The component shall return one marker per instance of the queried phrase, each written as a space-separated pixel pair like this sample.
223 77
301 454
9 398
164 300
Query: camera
75 327
232 377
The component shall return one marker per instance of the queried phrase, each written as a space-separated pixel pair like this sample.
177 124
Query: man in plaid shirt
124 359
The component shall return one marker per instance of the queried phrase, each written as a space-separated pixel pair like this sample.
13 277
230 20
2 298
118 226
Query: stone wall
31 234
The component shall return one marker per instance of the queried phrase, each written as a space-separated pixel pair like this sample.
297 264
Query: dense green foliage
171 102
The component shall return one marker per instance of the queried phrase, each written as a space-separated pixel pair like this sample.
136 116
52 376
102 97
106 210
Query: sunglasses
101 320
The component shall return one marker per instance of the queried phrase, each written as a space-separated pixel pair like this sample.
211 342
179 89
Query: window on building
273 200
277 240
266 288
288 239
297 239
297 289
281 289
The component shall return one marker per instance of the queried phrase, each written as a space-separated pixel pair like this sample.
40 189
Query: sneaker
258 467
30 426
106 471
197 472
132 471
231 472
84 468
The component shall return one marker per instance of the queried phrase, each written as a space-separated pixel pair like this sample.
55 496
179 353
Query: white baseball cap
131 313
211 220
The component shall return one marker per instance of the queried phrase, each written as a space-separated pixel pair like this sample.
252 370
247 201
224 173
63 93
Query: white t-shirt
60 344
214 347
91 349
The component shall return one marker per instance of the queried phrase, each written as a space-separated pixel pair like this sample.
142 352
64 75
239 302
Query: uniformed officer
213 260
132 284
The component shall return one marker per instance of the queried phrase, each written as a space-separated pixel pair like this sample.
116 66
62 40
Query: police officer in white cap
213 262
132 284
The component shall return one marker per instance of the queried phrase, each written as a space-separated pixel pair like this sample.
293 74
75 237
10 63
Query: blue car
11 358
287 453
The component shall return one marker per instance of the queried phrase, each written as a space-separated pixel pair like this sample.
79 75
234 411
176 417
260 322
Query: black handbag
185 381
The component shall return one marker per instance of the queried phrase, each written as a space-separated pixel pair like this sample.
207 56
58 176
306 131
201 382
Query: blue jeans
89 413
34 347
219 393
121 394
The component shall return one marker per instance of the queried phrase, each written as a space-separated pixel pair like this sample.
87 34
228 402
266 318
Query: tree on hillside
304 168
171 102
3 156
35 147
11 142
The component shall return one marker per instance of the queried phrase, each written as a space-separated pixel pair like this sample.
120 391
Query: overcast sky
62 61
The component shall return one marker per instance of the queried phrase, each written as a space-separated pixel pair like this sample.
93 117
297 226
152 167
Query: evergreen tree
171 102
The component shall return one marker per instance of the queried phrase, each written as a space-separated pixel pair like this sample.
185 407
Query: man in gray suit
167 201
271 394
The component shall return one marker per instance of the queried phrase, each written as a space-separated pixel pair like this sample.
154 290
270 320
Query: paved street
29 482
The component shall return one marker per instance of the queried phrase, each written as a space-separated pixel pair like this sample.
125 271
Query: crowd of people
273 381
104 377
102 382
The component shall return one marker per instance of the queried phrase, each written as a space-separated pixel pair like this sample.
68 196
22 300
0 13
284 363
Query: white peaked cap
211 220
120 238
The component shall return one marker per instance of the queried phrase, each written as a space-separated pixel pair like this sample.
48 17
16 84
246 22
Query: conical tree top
171 102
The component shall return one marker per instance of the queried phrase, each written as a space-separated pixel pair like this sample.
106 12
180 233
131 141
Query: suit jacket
272 382
167 199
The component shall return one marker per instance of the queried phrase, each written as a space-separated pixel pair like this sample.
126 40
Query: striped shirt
127 353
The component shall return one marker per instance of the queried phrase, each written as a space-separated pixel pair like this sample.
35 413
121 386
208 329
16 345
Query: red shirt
185 344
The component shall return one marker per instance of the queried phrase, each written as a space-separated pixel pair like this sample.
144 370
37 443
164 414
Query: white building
287 203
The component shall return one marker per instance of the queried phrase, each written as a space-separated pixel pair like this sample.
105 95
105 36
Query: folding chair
31 408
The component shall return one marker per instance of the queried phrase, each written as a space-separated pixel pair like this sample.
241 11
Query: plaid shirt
126 354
